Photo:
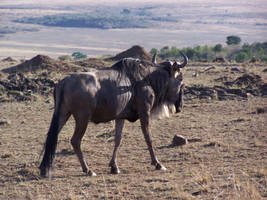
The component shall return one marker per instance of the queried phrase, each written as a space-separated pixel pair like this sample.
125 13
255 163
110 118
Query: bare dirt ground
225 158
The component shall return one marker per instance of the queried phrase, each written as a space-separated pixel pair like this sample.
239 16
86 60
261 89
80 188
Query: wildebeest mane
138 70
134 69
146 72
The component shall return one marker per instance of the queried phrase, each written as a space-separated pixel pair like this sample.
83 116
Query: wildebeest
129 90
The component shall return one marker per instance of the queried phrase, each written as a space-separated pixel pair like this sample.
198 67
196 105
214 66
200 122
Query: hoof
114 170
45 173
91 173
160 167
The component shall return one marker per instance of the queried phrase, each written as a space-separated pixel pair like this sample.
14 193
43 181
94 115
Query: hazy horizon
200 23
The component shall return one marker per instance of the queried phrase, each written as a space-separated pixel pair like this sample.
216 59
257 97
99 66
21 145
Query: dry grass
226 156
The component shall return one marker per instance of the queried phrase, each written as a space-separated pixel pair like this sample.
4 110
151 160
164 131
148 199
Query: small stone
261 110
179 140
47 101
5 122
211 144
235 69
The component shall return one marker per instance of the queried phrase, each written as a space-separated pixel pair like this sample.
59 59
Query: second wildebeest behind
129 90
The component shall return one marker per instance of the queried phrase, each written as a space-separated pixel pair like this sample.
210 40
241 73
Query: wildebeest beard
158 78
166 108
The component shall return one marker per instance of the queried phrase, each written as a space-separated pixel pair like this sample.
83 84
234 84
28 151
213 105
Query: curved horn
154 58
178 65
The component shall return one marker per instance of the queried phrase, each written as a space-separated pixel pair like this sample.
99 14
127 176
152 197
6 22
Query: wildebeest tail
52 135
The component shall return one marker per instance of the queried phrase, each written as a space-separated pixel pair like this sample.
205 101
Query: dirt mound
247 84
9 59
40 62
215 93
200 92
134 52
240 88
19 87
247 80
91 63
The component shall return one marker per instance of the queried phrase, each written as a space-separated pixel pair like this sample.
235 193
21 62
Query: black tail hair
52 136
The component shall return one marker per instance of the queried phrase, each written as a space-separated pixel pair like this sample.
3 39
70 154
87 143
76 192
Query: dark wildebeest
131 89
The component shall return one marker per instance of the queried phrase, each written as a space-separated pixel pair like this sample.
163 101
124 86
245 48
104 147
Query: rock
5 122
178 140
219 59
253 59
263 89
261 110
211 144
195 74
235 69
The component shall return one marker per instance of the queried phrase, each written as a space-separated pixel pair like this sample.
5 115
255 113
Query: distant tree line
87 21
234 51
104 19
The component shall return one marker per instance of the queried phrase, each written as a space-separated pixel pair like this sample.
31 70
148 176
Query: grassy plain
226 157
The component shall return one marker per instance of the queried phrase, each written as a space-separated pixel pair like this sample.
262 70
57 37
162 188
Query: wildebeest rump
131 89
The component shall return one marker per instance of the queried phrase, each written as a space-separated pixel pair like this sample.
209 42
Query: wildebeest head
175 91
176 65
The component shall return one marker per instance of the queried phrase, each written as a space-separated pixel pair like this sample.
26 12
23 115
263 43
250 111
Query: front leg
144 102
118 132
144 119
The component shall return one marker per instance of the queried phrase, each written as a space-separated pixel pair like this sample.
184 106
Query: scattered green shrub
241 57
206 53
78 55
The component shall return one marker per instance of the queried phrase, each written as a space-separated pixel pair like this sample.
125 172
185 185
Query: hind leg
118 129
51 142
81 120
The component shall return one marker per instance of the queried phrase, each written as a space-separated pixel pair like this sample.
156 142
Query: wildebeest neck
142 71
134 69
